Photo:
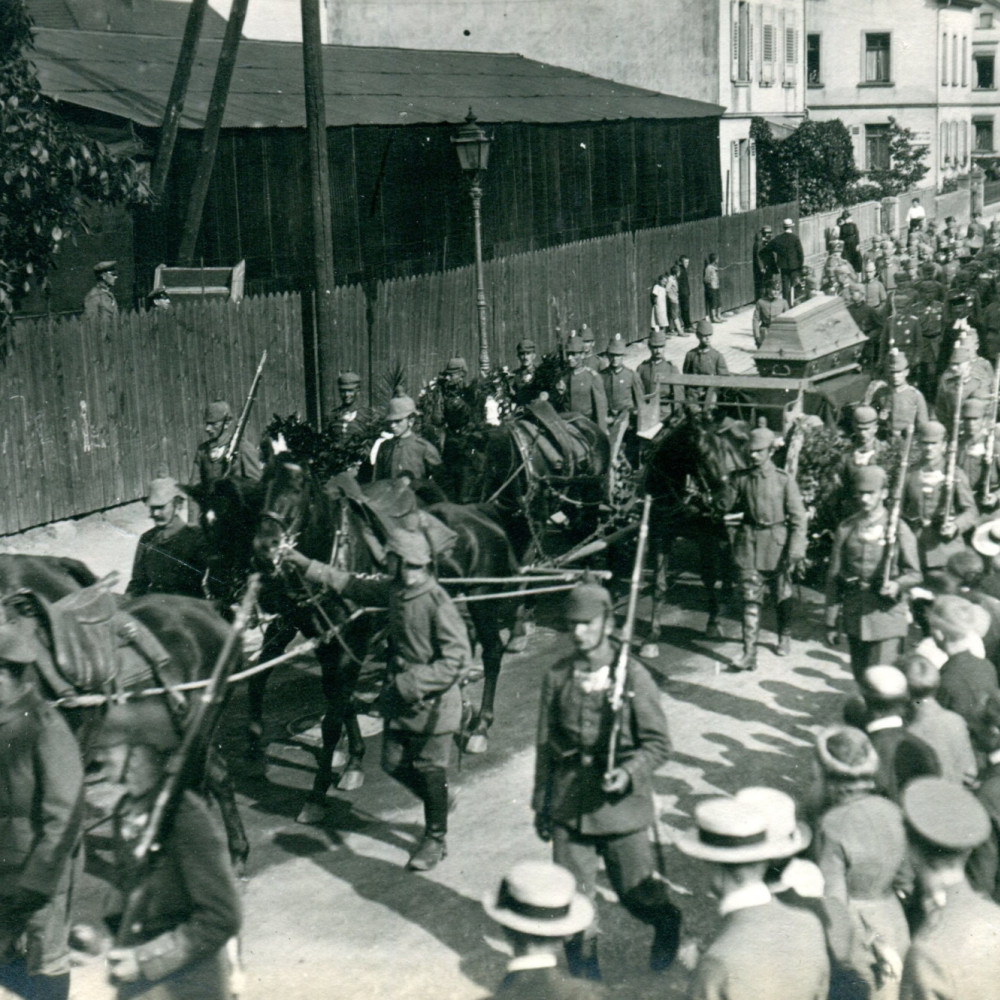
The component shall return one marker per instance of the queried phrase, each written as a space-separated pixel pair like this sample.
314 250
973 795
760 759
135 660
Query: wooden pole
210 136
175 102
322 225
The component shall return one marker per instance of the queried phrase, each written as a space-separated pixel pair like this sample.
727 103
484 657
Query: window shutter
767 42
734 62
791 44
858 145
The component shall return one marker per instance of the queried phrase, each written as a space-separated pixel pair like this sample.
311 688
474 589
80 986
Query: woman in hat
860 848
188 906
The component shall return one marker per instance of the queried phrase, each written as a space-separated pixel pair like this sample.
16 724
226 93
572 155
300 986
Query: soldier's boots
432 849
666 939
429 854
751 630
784 614
581 957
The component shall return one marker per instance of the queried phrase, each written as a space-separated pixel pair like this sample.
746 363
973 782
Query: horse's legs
219 784
277 636
709 564
488 629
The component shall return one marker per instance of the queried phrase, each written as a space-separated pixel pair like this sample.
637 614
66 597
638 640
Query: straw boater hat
783 829
846 753
731 831
541 899
986 538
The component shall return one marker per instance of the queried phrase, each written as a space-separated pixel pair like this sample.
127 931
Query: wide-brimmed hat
884 683
986 538
400 407
959 614
846 753
784 831
162 491
728 831
539 898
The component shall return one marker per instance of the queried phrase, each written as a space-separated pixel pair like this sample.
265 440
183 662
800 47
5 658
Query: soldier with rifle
976 458
601 736
873 563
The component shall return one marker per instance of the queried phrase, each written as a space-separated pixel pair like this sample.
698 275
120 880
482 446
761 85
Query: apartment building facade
918 61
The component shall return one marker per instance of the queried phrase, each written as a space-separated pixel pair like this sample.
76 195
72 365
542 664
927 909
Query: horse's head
288 492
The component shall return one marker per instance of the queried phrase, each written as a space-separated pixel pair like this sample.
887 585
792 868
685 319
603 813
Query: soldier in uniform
955 953
100 302
41 830
767 310
522 378
860 604
770 542
866 450
428 656
704 360
458 416
590 359
588 809
405 453
899 405
655 370
622 386
961 380
211 455
764 947
173 945
345 417
586 390
170 558
924 500
972 452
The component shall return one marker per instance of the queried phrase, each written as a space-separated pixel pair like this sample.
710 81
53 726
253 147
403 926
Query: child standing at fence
712 288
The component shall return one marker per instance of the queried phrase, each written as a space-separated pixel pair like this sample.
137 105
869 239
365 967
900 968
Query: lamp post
472 145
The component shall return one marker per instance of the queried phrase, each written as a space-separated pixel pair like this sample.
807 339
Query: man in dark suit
539 908
763 263
789 257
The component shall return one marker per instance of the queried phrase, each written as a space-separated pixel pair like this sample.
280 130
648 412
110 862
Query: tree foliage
814 164
50 172
906 162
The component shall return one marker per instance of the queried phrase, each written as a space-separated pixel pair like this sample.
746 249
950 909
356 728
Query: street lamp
473 147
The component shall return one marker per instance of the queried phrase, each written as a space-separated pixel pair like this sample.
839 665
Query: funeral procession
502 499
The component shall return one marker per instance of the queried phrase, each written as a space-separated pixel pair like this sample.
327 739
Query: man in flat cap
862 602
539 908
786 248
768 308
926 498
703 360
770 542
654 373
428 656
955 953
405 453
211 455
585 394
588 808
972 457
522 378
100 302
622 386
764 947
171 557
899 405
41 829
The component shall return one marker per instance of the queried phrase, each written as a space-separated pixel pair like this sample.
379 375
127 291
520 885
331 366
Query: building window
813 65
877 58
944 59
877 147
944 153
984 135
741 42
986 20
965 61
985 70
954 60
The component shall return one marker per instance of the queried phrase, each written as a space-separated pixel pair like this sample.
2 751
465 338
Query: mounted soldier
212 459
405 453
522 379
585 394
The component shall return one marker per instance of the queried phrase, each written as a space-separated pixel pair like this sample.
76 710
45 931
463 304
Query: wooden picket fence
91 412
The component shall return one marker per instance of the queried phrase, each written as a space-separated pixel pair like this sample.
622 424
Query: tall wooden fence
604 283
91 412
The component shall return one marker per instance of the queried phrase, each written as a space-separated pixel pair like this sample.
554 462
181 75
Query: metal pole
322 225
175 102
210 136
484 345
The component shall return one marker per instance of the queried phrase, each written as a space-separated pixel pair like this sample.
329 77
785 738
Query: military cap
527 347
704 328
540 898
348 380
216 411
400 407
575 345
986 538
761 437
864 416
766 229
884 683
931 431
145 722
15 647
846 753
898 361
960 355
105 265
868 478
456 365
411 546
587 335
727 831
973 407
162 491
586 601
616 345
945 814
657 339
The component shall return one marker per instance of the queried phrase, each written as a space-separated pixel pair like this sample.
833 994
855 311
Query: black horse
686 473
327 524
51 576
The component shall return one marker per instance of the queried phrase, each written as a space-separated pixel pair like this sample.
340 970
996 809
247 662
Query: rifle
896 509
241 424
949 477
181 768
991 437
621 666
